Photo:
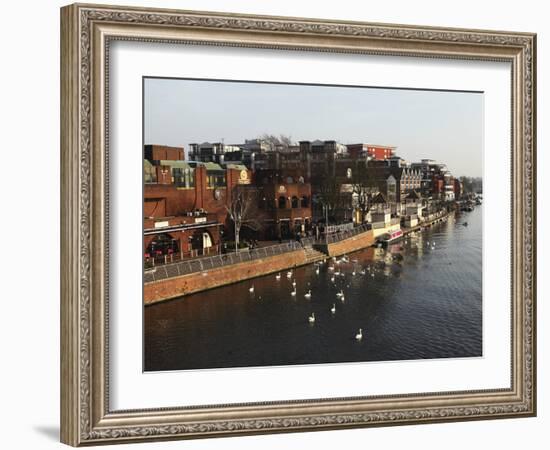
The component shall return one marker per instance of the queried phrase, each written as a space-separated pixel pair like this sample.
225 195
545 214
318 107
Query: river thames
420 298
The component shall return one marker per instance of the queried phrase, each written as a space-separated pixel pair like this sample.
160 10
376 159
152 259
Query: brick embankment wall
351 244
158 291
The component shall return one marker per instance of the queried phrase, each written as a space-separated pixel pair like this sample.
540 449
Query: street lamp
325 208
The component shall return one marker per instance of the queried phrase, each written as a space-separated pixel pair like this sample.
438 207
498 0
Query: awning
181 227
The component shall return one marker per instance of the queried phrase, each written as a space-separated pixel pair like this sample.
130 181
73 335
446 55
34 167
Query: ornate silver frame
86 31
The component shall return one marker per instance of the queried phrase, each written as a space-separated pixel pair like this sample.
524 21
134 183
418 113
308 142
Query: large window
183 177
215 179
149 172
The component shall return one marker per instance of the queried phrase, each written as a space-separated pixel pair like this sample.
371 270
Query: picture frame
87 31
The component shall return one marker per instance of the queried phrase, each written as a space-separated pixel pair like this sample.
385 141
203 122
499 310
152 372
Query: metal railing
341 227
335 236
346 234
168 258
179 268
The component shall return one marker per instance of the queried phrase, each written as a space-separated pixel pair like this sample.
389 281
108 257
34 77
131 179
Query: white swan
317 271
333 309
340 294
293 293
308 294
311 318
332 279
359 335
294 283
289 274
278 276
251 288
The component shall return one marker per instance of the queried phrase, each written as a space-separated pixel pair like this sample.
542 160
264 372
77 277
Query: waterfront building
458 188
380 212
285 202
413 209
394 182
185 204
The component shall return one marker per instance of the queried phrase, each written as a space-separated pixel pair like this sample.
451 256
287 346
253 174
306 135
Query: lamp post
325 208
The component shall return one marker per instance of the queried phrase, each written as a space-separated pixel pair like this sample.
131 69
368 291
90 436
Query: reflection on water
420 298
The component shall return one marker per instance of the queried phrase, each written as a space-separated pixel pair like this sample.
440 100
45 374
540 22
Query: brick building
373 151
184 203
285 202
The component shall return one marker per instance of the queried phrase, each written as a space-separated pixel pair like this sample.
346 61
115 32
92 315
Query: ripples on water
420 298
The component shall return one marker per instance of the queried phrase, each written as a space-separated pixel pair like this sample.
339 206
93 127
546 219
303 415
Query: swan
294 283
332 279
340 294
308 294
251 288
359 335
317 271
293 293
333 309
289 274
311 318
278 276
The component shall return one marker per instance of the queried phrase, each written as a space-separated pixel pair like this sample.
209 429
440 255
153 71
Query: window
305 202
295 202
282 202
215 179
150 174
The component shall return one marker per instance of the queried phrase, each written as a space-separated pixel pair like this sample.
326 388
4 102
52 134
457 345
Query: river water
419 298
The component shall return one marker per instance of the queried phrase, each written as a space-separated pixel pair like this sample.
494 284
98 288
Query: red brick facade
187 221
163 152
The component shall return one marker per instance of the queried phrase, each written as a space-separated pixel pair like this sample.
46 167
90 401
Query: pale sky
440 125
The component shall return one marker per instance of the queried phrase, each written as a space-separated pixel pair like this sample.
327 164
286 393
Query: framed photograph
275 224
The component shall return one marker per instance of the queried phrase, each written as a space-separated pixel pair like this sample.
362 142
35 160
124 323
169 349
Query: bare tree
328 196
363 186
275 141
243 211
